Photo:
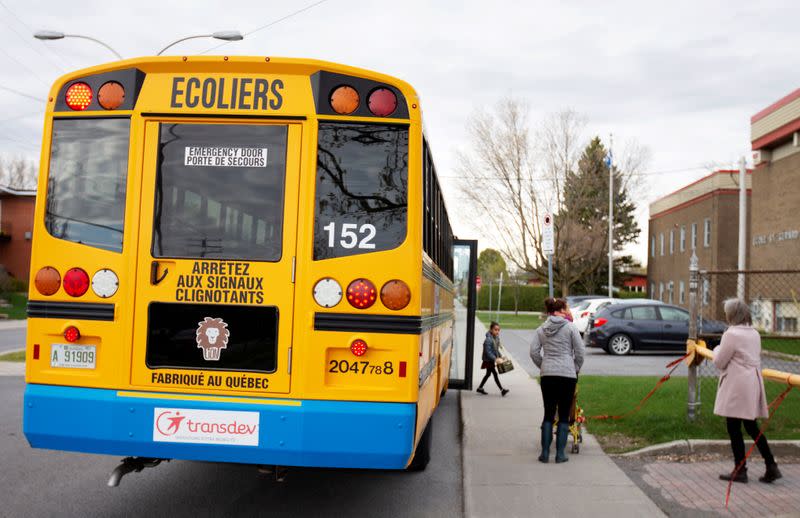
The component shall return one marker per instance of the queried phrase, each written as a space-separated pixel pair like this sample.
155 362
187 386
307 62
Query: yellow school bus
241 259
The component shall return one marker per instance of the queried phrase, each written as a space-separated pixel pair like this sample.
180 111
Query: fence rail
774 300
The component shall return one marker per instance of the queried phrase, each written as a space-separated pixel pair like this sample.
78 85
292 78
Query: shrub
531 298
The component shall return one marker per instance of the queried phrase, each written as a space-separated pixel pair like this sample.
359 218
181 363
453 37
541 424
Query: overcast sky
683 79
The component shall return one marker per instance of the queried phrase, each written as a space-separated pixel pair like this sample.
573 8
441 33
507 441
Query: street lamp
55 35
220 35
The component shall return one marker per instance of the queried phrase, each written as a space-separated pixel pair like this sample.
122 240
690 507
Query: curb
13 324
689 446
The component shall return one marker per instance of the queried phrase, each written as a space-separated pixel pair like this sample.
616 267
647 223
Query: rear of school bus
227 266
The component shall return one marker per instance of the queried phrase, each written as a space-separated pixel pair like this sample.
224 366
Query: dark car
637 326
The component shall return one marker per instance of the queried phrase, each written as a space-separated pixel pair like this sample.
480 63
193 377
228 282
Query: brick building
16 225
775 220
702 217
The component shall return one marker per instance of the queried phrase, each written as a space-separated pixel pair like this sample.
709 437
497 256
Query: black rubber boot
547 440
562 433
772 474
741 476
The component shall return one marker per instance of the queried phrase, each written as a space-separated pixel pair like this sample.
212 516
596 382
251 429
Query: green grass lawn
17 356
781 345
19 303
510 320
663 417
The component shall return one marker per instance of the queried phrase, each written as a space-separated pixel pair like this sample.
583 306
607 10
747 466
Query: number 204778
360 367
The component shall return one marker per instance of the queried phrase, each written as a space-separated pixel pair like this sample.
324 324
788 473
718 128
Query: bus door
215 272
465 266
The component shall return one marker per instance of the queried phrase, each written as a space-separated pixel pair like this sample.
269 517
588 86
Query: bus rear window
362 189
87 182
219 191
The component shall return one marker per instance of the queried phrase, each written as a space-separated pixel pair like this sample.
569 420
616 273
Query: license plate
72 356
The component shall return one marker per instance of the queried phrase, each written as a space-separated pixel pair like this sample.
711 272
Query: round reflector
47 280
382 102
361 294
105 283
327 292
344 100
111 95
395 294
71 334
76 282
79 96
358 347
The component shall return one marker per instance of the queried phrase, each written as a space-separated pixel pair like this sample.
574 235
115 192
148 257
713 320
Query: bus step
129 465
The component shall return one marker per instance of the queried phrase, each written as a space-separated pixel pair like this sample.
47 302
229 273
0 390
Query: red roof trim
775 106
776 135
721 171
696 200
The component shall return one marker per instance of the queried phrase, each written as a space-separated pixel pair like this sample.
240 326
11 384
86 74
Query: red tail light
584 314
382 102
600 321
76 282
79 96
71 334
361 294
358 347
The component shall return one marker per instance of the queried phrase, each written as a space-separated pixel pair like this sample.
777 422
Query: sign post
548 247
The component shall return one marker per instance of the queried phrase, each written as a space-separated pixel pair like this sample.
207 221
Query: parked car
573 300
646 326
586 310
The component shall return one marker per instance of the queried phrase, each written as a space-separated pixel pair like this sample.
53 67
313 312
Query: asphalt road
11 339
47 483
597 362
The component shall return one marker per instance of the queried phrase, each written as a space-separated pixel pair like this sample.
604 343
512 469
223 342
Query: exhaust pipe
129 465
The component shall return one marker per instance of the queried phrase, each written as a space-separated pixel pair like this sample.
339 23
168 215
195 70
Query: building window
661 242
707 232
683 238
682 292
653 246
652 290
694 236
706 292
671 242
670 290
661 291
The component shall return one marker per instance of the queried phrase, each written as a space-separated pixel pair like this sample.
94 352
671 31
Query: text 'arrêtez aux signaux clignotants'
220 282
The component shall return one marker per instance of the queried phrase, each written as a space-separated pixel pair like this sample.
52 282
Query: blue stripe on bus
337 434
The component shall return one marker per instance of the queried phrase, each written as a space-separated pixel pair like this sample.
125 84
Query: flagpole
610 162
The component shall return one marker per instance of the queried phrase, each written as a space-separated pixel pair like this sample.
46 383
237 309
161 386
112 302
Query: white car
586 310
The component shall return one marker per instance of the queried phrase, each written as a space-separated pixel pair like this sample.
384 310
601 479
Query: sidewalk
13 324
502 476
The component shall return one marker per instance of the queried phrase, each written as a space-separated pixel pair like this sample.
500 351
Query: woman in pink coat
740 395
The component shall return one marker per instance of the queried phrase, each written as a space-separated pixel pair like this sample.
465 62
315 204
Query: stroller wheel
576 448
580 437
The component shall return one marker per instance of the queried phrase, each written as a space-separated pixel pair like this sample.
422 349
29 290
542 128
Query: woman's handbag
506 366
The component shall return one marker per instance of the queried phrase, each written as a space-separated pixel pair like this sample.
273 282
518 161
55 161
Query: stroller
576 420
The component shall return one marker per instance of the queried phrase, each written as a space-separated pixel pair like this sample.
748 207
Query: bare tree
18 173
511 178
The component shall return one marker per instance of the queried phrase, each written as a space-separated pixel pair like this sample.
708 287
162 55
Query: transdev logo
205 426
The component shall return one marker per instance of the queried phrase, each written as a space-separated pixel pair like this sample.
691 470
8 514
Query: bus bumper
336 434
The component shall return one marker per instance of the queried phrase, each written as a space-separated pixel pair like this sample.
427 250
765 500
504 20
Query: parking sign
548 243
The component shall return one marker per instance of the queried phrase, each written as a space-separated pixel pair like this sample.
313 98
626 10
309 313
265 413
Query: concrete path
502 476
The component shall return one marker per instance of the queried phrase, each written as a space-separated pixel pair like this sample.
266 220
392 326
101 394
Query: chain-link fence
774 299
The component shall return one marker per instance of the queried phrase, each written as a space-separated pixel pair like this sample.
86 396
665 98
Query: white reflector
327 292
105 283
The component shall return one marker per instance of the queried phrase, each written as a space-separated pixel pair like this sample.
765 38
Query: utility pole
742 228
610 164
499 297
692 378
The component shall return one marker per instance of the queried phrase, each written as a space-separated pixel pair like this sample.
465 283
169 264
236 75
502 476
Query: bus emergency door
215 273
465 266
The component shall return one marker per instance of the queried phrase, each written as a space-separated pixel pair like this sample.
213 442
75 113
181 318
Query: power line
23 65
7 89
270 24
26 40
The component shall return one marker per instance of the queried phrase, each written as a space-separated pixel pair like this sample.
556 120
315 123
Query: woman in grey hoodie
557 350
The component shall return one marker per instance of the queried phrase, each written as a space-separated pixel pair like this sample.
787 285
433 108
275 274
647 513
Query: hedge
531 298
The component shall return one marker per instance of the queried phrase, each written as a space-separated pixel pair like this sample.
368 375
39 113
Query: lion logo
212 336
